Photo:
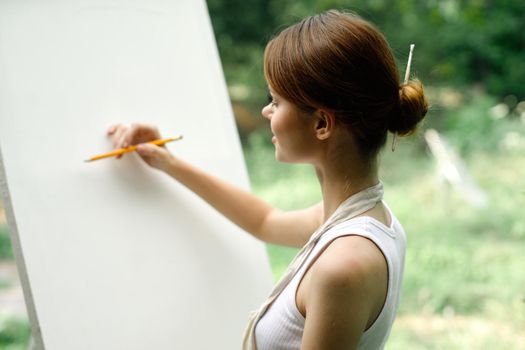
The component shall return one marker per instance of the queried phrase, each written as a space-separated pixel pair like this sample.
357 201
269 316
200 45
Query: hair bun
413 107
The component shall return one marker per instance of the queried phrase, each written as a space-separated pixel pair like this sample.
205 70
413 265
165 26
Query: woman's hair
339 62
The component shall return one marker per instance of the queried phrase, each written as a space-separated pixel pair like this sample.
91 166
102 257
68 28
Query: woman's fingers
118 135
114 128
144 132
117 132
124 136
135 135
147 150
155 156
111 129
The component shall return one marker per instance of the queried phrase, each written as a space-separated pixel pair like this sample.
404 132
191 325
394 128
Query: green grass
464 284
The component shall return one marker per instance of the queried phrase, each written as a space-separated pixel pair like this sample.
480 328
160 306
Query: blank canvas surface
113 254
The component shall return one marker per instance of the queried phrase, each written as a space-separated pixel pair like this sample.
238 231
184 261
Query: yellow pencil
120 151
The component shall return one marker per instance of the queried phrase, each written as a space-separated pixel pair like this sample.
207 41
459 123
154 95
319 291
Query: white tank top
281 327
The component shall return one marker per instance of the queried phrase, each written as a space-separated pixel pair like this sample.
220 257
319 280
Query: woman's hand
138 134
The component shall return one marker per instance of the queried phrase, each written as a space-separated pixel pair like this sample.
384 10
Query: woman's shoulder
349 281
349 261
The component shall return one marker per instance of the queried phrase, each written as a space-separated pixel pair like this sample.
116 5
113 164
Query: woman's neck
340 180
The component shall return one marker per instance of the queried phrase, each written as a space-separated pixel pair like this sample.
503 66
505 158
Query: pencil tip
87 160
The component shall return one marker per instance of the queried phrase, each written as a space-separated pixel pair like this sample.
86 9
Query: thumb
148 150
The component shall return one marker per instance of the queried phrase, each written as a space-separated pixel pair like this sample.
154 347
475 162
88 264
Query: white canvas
113 254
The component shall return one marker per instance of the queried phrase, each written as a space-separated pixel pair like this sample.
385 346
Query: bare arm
246 210
241 207
345 294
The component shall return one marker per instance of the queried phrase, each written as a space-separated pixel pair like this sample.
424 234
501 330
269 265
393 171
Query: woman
335 93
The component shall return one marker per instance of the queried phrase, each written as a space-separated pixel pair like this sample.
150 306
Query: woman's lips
274 139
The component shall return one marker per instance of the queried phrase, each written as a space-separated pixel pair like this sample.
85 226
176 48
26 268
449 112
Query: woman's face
292 129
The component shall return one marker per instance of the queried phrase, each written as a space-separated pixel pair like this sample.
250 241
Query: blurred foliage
14 334
5 243
458 42
463 286
482 123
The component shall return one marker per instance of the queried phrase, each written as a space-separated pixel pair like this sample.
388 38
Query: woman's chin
281 158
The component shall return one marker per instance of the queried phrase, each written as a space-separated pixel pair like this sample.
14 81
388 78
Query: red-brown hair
339 62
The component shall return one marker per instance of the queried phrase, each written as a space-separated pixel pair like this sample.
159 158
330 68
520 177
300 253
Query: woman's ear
324 124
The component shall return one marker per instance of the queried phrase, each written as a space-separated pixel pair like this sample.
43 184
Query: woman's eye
271 101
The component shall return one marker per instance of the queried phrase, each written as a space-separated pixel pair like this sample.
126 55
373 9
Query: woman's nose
266 111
